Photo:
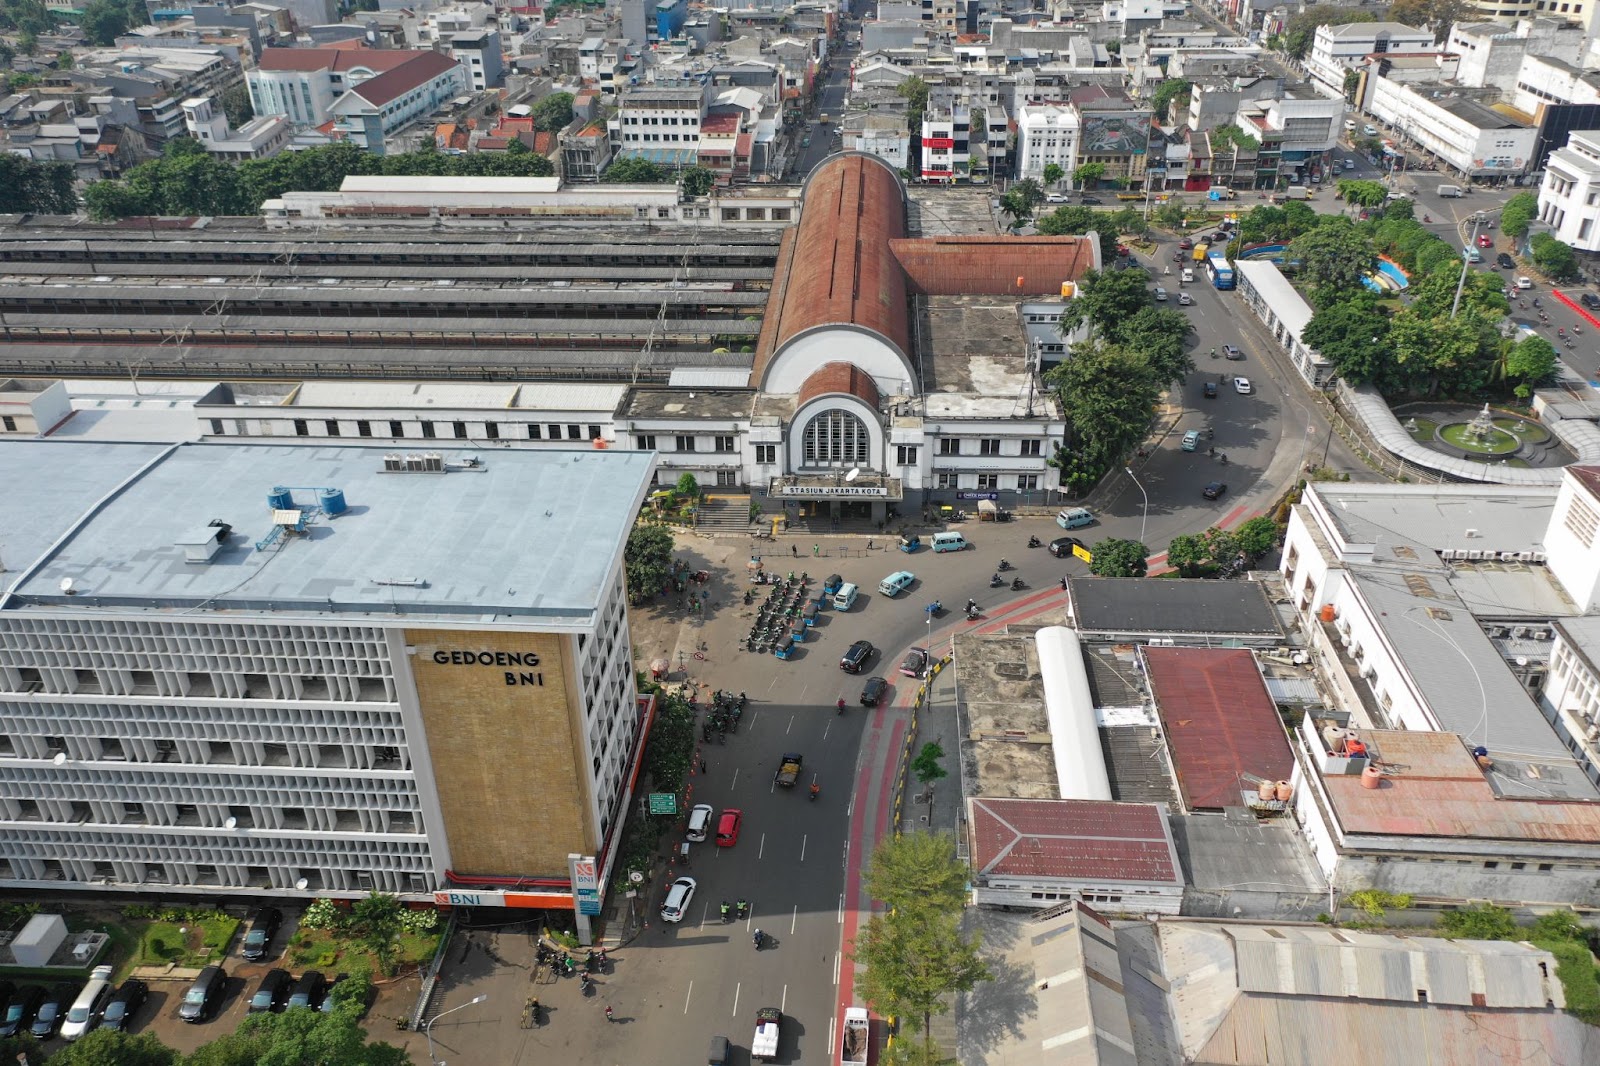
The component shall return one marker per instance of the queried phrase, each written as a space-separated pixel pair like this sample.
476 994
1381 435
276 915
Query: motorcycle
816 790
934 609
758 938
1427 218
743 909
723 909
997 581
1222 457
1033 542
840 706
1017 584
1004 566
973 614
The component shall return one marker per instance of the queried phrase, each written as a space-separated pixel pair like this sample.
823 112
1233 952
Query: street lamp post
427 1030
1146 513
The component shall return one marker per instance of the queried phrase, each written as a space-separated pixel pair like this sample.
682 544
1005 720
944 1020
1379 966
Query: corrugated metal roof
972 264
1072 839
1082 1016
1222 727
708 377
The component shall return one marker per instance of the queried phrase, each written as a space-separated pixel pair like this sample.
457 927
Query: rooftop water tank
332 501
280 499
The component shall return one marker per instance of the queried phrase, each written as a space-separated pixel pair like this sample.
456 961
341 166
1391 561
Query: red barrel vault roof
834 378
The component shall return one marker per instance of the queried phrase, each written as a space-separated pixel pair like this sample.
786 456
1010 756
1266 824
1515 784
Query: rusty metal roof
973 265
1222 726
835 267
1079 840
1433 787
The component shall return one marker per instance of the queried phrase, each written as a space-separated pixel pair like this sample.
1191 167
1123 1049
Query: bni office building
318 670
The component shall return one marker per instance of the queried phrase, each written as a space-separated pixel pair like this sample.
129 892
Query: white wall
1570 544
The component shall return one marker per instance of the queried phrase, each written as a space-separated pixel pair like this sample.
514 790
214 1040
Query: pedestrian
702 766
1063 584
816 550
608 1012
794 551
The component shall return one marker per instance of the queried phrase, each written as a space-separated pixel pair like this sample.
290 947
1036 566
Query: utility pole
1466 263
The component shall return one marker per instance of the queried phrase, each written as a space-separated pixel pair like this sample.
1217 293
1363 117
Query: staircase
724 514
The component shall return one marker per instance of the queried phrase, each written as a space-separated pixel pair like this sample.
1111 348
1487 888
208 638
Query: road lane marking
736 987
841 908
735 780
838 959
833 1032
790 728
803 838
687 996
794 918
762 850
826 728
783 1001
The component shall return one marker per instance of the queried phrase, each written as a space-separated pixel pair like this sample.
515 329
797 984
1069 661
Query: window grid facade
836 437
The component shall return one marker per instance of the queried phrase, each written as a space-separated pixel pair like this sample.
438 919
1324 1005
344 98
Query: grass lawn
1575 968
190 943
330 952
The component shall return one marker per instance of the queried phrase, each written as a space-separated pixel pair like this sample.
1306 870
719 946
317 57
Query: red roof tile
1221 723
544 142
837 378
990 266
1588 478
1076 840
722 124
341 59
422 68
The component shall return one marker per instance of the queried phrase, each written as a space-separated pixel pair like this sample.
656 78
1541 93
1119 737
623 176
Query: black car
125 1003
271 992
1090 200
1209 390
1590 300
21 1008
307 991
873 691
856 657
53 1011
263 927
1505 262
1178 257
1062 547
1214 490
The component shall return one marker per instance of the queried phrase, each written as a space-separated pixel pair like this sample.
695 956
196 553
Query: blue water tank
280 499
332 501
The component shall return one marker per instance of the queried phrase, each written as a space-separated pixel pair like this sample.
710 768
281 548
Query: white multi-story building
1569 197
1491 53
262 136
479 52
1472 138
945 141
368 93
315 670
1337 49
884 136
1046 133
660 123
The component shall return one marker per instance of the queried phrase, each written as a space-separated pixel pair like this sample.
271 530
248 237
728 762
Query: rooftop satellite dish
855 472
302 884
60 759
231 823
66 584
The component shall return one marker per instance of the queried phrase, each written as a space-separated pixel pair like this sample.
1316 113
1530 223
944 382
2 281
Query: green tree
1015 204
1221 547
1434 294
1031 192
918 874
915 92
1439 14
236 104
635 172
107 200
103 22
1483 922
1554 257
1088 175
1300 28
1108 393
1351 335
1363 193
1558 925
1335 256
1072 220
1106 299
1187 552
647 561
913 962
1172 89
375 921
1402 209
1161 334
1256 536
1053 174
1530 363
1114 557
1172 215
925 767
554 113
687 487
297 1038
670 746
1518 212
697 181
107 1047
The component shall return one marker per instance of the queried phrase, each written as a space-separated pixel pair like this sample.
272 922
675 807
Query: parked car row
280 990
70 1010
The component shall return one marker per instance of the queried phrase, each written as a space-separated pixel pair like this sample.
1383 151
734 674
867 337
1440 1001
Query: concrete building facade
1569 196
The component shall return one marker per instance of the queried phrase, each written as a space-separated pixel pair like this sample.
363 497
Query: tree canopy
635 172
647 561
1518 212
553 113
1076 220
1116 557
1338 255
31 187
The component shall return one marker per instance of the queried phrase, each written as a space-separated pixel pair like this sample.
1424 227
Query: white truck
1449 190
856 1039
769 1026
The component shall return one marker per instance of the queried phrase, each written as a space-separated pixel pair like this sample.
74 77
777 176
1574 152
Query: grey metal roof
40 509
1083 1020
1154 605
530 534
1451 662
1432 518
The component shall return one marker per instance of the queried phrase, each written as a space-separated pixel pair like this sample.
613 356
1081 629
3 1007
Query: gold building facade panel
503 724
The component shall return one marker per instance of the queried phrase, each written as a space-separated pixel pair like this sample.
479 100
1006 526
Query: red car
728 827
1186 244
1122 249
1484 241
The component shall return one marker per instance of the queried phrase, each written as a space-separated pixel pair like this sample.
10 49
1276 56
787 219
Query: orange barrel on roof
1371 778
1328 612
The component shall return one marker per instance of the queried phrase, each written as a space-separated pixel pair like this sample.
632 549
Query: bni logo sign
458 899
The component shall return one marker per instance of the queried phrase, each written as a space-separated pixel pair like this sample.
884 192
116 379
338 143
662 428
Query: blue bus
1221 272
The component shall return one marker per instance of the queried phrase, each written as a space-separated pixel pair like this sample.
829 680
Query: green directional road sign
663 803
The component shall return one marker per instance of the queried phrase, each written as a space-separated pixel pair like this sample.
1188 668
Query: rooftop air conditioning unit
433 462
1542 634
394 461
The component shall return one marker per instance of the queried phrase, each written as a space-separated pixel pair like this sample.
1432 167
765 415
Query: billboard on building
1119 133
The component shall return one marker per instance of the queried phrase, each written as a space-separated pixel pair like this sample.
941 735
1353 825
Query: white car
699 822
1524 282
1057 198
1184 299
1243 387
676 905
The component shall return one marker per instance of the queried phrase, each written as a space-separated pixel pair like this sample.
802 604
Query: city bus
1219 270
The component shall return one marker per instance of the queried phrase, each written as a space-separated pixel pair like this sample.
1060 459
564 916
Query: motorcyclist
756 938
972 605
724 910
840 705
742 907
1004 565
816 790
